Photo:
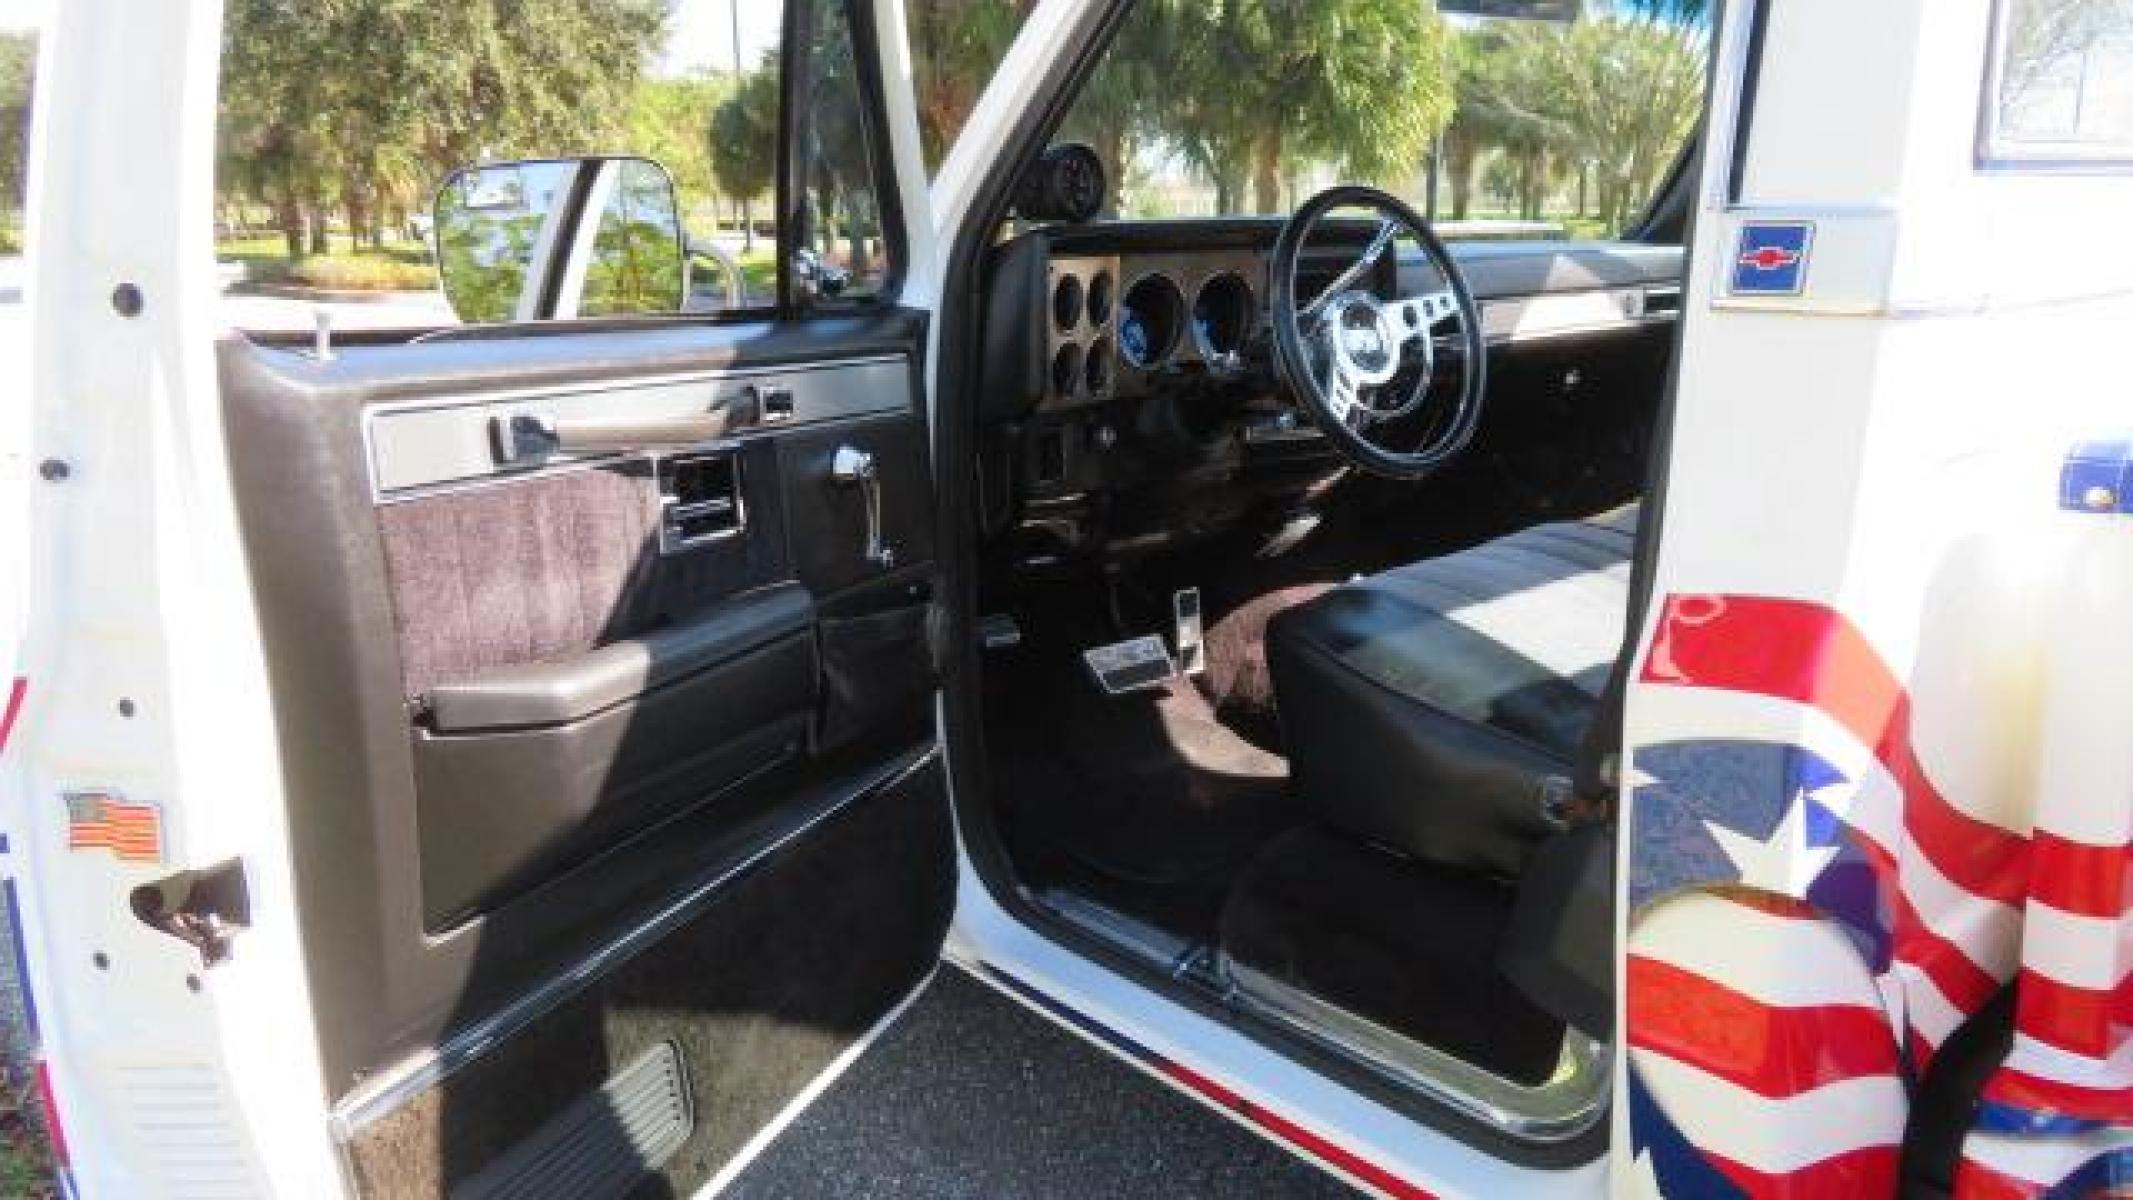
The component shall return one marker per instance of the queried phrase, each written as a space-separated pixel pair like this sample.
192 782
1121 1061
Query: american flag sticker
132 831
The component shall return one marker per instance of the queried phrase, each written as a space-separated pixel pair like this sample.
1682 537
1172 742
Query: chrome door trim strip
385 488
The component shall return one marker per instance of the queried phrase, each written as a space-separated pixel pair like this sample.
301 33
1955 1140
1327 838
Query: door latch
853 467
204 909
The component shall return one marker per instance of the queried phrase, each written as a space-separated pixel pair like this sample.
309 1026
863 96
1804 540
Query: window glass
1525 128
956 45
840 254
2065 80
341 125
18 72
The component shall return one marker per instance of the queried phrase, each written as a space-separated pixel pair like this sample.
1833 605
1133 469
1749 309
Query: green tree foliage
1253 94
742 139
1608 99
18 70
637 251
666 124
954 47
360 105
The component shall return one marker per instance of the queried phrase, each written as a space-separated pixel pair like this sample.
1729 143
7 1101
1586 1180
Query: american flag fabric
1812 918
103 821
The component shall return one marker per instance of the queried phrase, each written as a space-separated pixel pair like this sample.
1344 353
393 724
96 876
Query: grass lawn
396 267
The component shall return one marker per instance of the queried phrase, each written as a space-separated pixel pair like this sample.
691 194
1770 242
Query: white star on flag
1786 862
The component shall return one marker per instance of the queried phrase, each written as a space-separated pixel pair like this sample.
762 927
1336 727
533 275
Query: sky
28 14
700 33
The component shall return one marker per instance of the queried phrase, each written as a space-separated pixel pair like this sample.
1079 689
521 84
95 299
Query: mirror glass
513 241
1517 10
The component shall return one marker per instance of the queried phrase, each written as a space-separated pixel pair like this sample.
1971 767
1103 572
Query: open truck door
600 809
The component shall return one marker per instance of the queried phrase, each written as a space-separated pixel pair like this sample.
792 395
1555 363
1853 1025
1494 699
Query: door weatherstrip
403 1081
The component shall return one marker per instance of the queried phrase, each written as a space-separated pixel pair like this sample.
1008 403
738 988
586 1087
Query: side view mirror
1561 12
546 239
818 276
729 268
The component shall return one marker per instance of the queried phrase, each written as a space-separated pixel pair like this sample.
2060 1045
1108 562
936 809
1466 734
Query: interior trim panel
419 447
559 587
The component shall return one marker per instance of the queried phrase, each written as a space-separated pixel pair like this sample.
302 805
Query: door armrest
558 693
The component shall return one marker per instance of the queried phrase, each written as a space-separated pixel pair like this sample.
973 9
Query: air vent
605 1144
699 500
1662 301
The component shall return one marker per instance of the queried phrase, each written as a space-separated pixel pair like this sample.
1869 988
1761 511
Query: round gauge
1100 299
1096 369
1066 302
1066 183
1150 319
1222 318
1066 370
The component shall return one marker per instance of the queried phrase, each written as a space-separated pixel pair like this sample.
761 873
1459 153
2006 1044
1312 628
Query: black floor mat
1410 947
970 1094
1144 802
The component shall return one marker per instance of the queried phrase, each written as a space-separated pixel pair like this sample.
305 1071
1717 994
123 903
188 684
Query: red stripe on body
1806 653
1868 1171
2080 878
1296 1135
1771 1051
16 692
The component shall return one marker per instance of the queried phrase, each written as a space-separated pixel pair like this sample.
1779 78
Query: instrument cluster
1122 325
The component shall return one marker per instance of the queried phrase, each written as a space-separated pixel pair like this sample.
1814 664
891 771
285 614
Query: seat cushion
1430 707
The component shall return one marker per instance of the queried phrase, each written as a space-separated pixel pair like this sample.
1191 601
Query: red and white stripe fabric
1780 1083
1952 884
1759 1031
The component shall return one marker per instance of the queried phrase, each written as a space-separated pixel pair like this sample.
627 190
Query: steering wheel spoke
1420 315
1344 395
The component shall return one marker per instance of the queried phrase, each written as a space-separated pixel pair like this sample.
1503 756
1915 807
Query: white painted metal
1877 443
1887 443
986 937
136 588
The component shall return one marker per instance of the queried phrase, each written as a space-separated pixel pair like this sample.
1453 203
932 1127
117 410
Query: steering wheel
1360 362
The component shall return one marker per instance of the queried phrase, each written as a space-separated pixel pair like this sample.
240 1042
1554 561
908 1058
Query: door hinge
205 909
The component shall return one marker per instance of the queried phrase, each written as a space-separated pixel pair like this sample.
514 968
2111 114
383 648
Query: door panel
521 726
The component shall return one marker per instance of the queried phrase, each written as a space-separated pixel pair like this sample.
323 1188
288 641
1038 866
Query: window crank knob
851 466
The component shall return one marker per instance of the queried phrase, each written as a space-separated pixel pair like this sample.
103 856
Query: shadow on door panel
524 723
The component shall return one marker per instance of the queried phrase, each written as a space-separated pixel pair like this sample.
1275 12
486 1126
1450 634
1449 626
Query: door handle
853 467
531 436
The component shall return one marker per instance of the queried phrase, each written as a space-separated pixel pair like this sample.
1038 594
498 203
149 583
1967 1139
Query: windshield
1515 128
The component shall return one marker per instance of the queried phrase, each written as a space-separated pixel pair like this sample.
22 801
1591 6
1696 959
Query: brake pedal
1130 666
998 631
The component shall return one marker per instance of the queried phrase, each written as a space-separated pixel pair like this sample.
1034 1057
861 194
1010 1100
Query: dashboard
1129 392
